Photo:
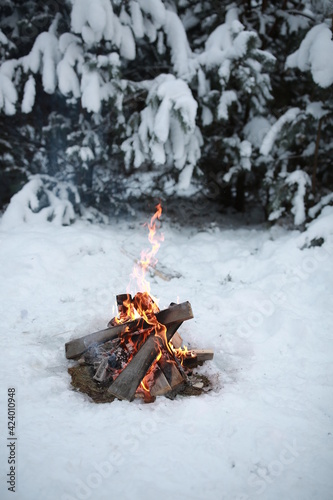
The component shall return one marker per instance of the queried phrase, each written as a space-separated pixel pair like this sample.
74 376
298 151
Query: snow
155 9
150 30
245 152
68 81
203 83
167 124
207 116
316 109
319 206
178 43
44 57
162 120
242 41
127 45
185 177
29 95
219 39
315 54
8 93
226 43
38 202
227 98
137 19
260 301
301 180
85 154
179 95
91 99
256 129
270 138
296 22
96 16
224 71
93 20
158 154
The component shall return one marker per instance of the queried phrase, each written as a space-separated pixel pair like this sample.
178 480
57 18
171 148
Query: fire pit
140 354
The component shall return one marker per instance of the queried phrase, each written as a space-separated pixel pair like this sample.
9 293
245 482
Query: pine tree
113 99
296 150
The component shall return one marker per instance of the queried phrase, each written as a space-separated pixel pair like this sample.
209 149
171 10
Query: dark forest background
106 102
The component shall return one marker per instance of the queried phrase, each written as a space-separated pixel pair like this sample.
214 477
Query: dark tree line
106 100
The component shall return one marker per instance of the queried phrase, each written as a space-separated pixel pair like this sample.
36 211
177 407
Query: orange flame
144 386
126 313
144 305
148 378
148 257
181 353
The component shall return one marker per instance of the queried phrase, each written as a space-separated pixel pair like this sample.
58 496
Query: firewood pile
139 354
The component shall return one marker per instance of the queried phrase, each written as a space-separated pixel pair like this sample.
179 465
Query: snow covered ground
262 299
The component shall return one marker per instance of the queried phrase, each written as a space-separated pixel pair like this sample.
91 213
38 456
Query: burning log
126 384
161 385
140 352
169 379
125 309
177 341
173 314
173 373
197 357
139 357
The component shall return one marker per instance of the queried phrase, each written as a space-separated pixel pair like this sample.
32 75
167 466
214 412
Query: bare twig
299 13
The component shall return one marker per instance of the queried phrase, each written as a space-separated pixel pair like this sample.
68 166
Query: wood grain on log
203 354
198 357
173 375
126 384
177 341
161 385
173 314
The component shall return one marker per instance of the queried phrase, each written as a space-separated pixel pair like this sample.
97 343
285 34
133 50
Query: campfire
140 353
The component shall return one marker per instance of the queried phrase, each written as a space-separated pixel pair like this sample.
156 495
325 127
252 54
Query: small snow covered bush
297 149
165 131
42 199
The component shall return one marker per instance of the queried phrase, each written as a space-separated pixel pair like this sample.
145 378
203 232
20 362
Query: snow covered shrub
289 148
289 195
165 131
298 145
42 199
160 98
315 55
234 90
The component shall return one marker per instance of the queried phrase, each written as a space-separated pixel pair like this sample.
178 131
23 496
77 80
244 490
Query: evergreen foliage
113 99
